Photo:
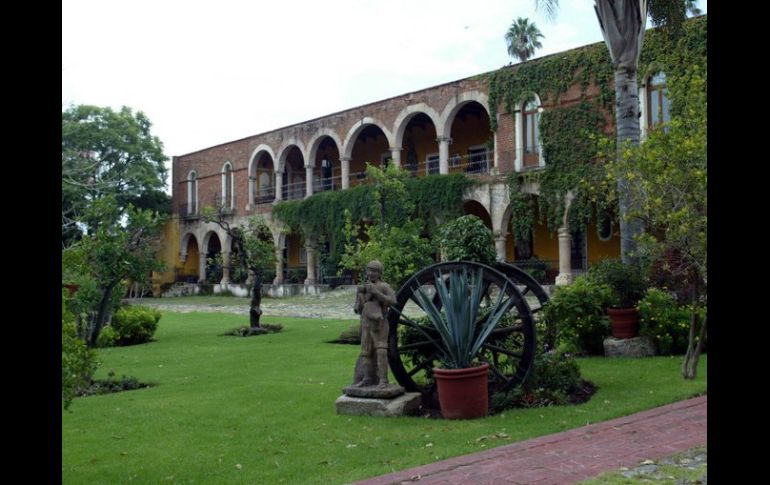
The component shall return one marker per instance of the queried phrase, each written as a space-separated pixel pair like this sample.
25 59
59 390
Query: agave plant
462 328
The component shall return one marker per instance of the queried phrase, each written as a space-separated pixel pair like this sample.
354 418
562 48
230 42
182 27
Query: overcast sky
210 72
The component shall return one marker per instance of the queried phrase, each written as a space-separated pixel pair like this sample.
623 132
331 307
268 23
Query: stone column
565 257
308 181
310 251
278 186
500 246
395 153
443 154
278 280
201 267
345 165
225 268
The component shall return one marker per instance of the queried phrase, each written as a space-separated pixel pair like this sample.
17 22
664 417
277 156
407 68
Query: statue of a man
372 301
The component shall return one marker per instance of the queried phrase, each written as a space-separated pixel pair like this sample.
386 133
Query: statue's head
374 270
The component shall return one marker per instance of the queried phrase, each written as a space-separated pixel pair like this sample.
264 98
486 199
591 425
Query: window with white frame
531 133
192 193
477 159
657 100
227 187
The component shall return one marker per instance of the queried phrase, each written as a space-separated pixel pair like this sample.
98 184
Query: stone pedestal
629 347
404 405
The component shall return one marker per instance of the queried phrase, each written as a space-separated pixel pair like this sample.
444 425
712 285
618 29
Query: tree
108 153
622 23
667 177
253 251
467 238
522 38
393 238
120 245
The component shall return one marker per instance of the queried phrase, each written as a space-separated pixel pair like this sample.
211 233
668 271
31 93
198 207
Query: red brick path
574 455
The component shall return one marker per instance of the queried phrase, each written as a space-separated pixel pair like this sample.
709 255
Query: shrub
78 362
467 238
554 380
664 321
108 337
578 312
625 281
135 324
350 336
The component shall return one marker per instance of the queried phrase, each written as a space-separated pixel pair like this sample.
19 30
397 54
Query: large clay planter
624 322
462 393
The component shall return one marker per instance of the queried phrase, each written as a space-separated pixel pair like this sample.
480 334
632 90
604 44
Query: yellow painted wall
369 151
545 246
597 249
466 133
293 243
168 252
192 263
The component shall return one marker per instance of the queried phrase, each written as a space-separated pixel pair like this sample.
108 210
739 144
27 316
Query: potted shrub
628 287
462 382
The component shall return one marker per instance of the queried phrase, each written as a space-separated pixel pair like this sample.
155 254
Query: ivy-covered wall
569 131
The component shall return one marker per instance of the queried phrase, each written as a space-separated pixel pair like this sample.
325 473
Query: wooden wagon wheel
509 350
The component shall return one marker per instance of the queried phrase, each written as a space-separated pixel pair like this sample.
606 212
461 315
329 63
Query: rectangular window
477 159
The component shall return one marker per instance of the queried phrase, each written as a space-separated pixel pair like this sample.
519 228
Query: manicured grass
261 410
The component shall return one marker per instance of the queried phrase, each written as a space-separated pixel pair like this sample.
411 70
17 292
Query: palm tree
622 23
522 39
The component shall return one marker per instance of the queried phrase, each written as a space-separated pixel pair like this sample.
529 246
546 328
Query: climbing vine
432 199
569 134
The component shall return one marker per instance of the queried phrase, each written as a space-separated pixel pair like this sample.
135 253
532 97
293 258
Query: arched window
531 133
228 201
657 100
192 193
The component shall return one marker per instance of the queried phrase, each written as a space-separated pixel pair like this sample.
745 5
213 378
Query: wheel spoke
506 330
502 350
421 366
415 345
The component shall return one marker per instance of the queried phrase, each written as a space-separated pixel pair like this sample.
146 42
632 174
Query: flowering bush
664 321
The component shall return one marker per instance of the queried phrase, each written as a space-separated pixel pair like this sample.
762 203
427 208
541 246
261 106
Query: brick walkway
574 455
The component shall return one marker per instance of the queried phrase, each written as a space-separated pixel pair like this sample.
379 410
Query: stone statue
372 301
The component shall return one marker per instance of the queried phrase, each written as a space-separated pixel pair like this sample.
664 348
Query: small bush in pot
628 287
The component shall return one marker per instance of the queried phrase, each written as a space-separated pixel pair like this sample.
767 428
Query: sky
206 73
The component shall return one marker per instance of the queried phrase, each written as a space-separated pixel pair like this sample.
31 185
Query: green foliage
400 249
457 322
135 324
569 133
108 337
428 199
112 384
625 280
78 362
467 238
393 237
554 378
109 153
665 321
578 312
120 246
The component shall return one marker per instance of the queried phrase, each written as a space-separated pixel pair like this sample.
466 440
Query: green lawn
261 410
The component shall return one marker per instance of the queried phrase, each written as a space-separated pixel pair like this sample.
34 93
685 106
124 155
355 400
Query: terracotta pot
73 288
462 393
624 322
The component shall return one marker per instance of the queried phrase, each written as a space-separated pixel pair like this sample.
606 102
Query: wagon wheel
509 350
526 284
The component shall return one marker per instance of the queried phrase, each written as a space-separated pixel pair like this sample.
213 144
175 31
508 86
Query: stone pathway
575 455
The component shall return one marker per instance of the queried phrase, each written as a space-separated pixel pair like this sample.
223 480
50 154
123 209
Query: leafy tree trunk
694 347
97 321
255 312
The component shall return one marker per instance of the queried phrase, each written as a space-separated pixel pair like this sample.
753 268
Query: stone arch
358 126
284 150
402 120
190 260
315 142
256 155
444 127
476 208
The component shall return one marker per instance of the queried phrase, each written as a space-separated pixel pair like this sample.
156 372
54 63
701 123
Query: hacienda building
439 130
